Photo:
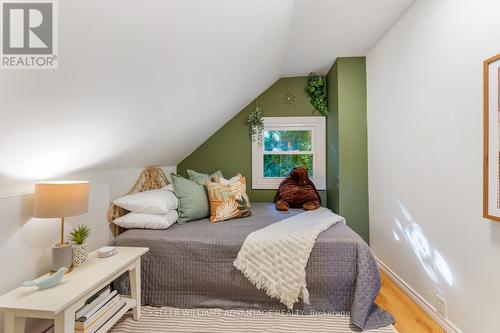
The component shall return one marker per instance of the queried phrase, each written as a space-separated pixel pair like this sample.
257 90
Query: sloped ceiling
145 82
323 30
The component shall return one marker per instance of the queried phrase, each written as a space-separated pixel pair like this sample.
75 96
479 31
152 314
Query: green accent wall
230 149
347 154
332 140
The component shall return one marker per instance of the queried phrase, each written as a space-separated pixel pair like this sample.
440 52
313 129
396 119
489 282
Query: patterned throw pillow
228 198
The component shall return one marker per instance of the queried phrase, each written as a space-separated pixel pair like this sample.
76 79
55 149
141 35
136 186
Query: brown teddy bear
297 191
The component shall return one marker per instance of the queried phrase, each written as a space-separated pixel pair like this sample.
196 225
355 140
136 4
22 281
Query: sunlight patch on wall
435 266
442 266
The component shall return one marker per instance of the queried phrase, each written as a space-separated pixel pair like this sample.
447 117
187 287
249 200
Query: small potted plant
80 250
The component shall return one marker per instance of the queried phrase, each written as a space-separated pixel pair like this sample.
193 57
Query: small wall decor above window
289 97
288 142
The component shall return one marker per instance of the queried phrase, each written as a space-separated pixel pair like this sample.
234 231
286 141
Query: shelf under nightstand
62 301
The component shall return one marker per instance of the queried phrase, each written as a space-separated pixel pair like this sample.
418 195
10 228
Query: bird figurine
47 282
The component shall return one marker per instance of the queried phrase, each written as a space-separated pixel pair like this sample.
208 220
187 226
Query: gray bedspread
191 266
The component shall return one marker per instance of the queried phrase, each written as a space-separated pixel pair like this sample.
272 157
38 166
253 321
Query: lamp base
61 256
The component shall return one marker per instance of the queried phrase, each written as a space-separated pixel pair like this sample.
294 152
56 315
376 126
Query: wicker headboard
151 178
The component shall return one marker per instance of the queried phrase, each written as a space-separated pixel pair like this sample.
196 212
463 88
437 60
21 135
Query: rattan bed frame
151 178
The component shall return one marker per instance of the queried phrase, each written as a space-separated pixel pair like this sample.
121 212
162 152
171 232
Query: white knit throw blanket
274 258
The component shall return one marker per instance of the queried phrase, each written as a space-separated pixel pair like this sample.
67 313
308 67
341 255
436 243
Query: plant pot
80 254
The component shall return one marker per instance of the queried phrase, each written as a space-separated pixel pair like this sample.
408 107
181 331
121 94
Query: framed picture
491 149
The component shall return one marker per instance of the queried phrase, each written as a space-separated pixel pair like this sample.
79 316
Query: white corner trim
445 323
21 194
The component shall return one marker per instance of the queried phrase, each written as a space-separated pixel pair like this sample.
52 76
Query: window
289 142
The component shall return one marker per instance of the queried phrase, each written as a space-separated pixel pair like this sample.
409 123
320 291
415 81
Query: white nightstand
61 302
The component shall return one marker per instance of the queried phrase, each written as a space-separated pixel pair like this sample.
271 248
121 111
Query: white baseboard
445 323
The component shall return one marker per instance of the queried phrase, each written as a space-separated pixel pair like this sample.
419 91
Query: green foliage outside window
288 140
281 165
298 141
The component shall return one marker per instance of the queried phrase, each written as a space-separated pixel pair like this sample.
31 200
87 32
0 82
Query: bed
191 266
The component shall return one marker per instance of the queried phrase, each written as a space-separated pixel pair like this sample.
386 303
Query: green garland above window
316 88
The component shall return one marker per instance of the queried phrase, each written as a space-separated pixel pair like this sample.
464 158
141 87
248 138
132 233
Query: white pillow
147 221
224 181
168 187
149 202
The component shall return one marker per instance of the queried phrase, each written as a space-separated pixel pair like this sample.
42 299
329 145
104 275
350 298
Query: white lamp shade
60 199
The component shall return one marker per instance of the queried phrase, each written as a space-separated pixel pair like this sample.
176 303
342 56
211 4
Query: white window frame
318 128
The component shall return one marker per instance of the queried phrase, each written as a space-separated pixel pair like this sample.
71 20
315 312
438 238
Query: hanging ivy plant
256 125
316 88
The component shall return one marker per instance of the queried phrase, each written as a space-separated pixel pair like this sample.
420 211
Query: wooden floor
410 318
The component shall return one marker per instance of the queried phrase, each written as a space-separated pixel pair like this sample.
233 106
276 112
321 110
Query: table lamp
61 199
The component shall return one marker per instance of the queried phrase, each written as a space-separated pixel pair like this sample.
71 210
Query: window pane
287 140
281 165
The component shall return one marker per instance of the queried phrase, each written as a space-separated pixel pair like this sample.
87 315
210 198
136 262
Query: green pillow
193 201
201 178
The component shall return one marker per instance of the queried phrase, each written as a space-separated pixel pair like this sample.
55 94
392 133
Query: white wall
425 157
25 242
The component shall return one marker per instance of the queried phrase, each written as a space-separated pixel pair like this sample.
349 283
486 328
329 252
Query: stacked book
98 310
